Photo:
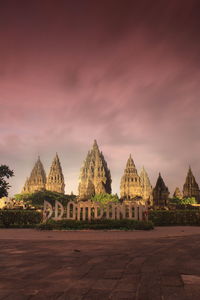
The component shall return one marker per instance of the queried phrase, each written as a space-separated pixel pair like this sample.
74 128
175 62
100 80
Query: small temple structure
160 193
146 186
134 187
55 179
177 193
130 186
37 179
95 177
190 187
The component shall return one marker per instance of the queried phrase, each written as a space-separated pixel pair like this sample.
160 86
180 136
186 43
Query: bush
19 218
183 201
175 217
105 198
183 206
125 224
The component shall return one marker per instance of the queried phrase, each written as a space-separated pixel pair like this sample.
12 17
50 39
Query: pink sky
127 75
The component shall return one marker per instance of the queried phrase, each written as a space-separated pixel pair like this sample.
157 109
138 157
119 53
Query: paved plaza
161 264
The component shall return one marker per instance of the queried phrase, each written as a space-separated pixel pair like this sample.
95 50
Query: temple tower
177 193
190 187
26 186
130 186
37 179
55 179
160 193
95 176
146 186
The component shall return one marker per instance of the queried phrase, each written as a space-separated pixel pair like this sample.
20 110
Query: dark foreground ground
162 264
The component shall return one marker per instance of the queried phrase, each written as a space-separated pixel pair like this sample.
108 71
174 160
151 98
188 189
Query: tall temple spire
55 180
146 186
130 186
95 176
37 179
190 187
160 192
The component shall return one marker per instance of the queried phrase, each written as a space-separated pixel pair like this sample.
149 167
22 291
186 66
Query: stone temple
146 186
177 193
134 187
190 187
160 193
55 179
38 181
95 177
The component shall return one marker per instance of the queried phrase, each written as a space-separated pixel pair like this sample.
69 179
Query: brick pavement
164 268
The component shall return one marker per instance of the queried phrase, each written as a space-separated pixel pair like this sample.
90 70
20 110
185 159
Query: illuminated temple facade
133 186
95 177
190 187
38 181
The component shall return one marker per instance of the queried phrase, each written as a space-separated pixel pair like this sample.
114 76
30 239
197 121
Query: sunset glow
124 73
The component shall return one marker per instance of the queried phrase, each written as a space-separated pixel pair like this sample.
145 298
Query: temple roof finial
95 145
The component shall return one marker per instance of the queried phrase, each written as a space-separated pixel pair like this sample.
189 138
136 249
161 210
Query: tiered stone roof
190 187
177 193
95 176
146 186
55 180
130 186
160 193
37 179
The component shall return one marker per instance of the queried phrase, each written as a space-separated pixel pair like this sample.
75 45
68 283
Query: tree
184 201
105 198
5 172
37 199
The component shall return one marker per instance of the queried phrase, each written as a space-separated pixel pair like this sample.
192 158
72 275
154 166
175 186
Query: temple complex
160 193
95 177
177 193
190 187
39 182
55 179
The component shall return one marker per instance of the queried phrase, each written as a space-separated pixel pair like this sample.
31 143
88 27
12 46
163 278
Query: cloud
127 75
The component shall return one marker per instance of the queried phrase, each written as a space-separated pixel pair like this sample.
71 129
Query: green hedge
96 224
19 218
32 218
175 217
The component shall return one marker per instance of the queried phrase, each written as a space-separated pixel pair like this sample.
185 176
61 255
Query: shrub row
19 218
183 206
31 218
96 224
175 217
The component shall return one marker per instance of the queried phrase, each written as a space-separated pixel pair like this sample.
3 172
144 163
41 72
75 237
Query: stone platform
161 264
